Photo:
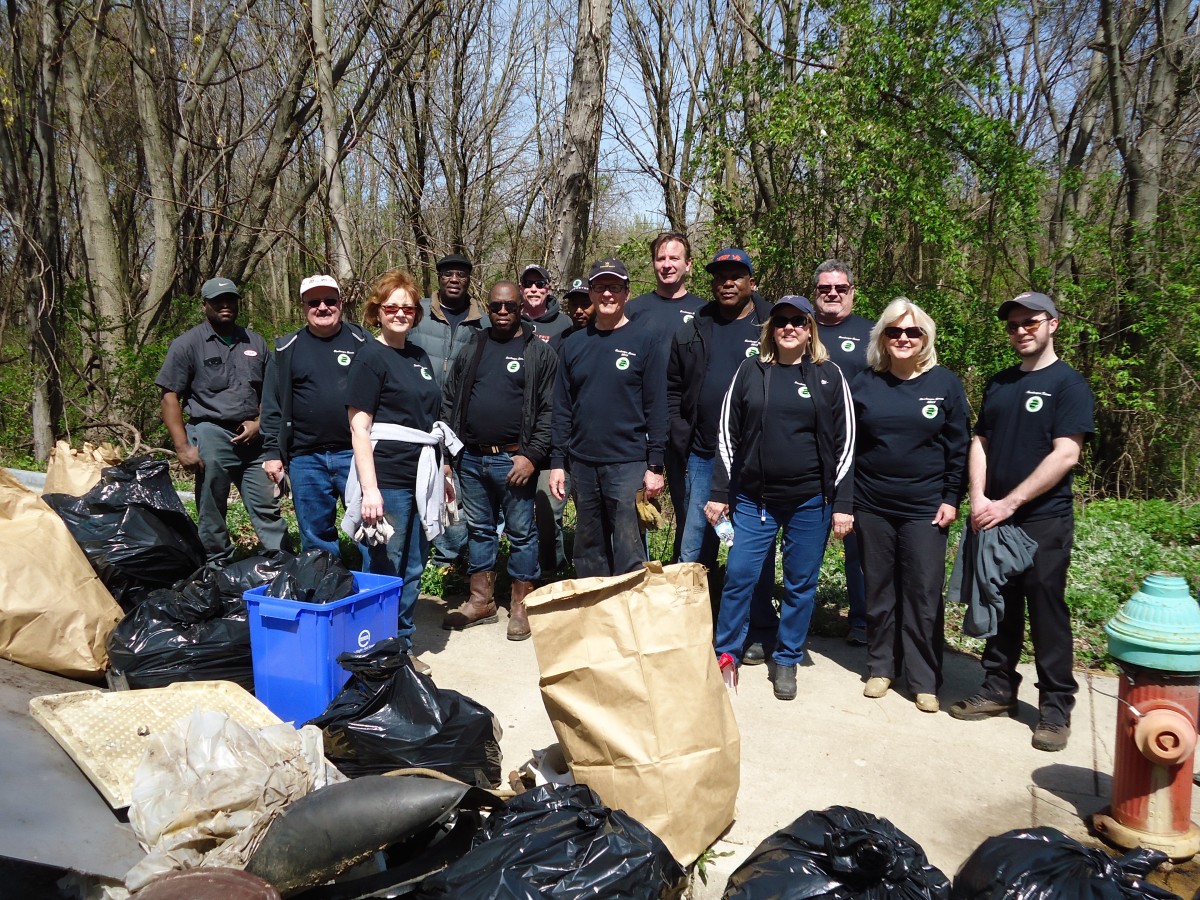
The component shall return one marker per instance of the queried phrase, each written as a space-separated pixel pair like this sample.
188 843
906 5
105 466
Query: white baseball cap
314 281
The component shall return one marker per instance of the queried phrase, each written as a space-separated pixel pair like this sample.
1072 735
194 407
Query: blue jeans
805 529
318 483
608 538
403 556
700 545
485 495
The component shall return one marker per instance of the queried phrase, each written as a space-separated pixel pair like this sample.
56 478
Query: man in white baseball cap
305 426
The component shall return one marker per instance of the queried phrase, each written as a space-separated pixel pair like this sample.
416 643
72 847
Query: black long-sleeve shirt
610 399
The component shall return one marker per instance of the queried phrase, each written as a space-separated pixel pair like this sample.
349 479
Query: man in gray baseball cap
214 372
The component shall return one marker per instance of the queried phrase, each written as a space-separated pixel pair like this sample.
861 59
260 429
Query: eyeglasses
784 321
503 305
608 289
830 288
322 301
1030 325
394 309
912 333
535 284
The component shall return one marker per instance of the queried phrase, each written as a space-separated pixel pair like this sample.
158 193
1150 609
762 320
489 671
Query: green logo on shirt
1033 404
849 346
514 365
343 359
929 410
622 363
751 351
804 391
425 373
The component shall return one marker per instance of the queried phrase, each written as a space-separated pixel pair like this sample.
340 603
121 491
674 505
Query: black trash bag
389 716
134 529
1045 864
840 853
198 631
559 841
315 576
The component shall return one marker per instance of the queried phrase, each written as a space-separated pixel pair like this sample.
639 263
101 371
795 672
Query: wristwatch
657 470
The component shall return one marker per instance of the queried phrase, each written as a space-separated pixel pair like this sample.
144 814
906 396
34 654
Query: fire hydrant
1156 639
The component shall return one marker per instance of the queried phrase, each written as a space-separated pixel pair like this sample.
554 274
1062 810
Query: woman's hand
843 524
372 505
714 510
945 515
449 473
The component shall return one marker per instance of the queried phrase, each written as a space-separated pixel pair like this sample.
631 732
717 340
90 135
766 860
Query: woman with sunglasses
785 460
393 403
910 475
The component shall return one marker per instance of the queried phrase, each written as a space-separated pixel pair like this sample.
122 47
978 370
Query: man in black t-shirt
846 336
306 431
1032 425
498 399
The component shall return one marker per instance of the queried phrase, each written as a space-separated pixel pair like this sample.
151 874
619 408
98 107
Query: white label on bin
364 639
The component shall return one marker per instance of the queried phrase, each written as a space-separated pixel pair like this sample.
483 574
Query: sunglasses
505 305
785 321
912 333
1030 325
393 309
317 304
540 283
830 288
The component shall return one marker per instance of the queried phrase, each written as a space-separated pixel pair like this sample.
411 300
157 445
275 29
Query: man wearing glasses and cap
610 417
846 336
306 433
1032 425
540 308
214 372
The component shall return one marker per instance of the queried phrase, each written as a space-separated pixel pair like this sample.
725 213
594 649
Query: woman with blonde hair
910 475
785 460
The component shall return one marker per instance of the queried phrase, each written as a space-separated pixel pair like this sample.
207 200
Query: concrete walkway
947 784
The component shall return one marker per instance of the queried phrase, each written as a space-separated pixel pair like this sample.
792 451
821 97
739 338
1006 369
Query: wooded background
954 151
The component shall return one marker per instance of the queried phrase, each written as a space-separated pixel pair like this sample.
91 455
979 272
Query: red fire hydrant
1156 638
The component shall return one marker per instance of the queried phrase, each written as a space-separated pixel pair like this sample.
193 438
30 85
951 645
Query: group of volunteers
794 417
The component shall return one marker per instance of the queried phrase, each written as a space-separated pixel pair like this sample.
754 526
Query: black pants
904 567
608 537
1042 590
676 472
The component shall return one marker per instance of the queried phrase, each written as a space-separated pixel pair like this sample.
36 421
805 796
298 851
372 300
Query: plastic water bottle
724 530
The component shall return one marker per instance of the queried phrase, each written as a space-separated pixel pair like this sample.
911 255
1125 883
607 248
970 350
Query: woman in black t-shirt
392 383
910 474
787 435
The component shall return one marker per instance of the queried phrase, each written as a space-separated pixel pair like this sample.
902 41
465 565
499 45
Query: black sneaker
785 682
755 655
980 707
1050 736
857 637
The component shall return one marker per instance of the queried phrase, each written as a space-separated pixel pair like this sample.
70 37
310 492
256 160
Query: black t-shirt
662 316
456 316
911 445
397 387
1022 414
731 343
791 472
493 414
847 343
320 375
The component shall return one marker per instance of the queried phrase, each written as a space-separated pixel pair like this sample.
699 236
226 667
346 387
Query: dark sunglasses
830 288
800 321
505 305
316 304
912 333
540 283
1030 325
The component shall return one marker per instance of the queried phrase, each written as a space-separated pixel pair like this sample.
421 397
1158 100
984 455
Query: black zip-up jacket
686 369
276 416
745 414
541 368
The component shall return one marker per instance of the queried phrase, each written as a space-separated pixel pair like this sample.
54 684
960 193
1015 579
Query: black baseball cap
730 255
1029 300
454 261
578 288
608 267
537 270
219 287
801 303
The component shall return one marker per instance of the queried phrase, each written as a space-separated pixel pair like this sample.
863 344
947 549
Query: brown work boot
518 617
479 609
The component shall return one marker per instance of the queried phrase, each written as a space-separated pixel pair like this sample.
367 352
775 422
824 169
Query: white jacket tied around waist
430 492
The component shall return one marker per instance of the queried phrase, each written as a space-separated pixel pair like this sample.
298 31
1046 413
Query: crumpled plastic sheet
208 787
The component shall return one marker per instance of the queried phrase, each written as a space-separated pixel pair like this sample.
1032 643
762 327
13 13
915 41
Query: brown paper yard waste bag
633 690
55 614
76 472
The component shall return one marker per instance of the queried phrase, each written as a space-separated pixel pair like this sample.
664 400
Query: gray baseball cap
218 287
1029 300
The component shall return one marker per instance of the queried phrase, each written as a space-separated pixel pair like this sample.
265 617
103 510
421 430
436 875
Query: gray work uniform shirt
216 382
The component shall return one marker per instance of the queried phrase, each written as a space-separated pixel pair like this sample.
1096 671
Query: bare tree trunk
331 168
584 118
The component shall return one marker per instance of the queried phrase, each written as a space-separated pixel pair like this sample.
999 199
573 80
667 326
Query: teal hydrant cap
1158 628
